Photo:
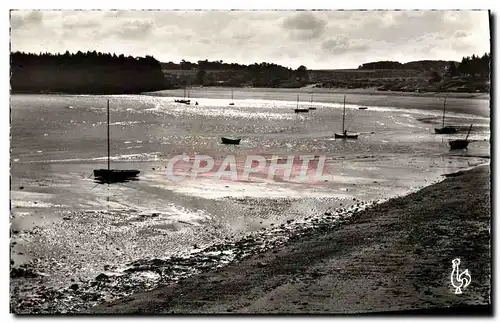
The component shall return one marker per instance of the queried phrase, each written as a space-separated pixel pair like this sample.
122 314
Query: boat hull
115 175
183 101
342 136
445 130
301 110
459 144
230 141
362 108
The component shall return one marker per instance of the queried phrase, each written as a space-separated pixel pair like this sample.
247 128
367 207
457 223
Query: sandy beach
395 256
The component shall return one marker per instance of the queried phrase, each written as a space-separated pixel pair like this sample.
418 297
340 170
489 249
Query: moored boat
232 102
344 134
231 141
445 130
461 143
113 175
300 110
311 107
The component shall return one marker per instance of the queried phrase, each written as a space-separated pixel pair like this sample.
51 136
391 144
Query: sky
316 39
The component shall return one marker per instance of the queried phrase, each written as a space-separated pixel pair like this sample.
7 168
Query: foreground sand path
394 256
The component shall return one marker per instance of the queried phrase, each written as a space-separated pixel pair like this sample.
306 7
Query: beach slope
395 256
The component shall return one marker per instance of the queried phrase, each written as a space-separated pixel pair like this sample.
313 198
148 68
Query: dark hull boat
232 103
115 175
311 107
109 175
460 143
363 108
346 136
445 131
300 110
231 141
183 101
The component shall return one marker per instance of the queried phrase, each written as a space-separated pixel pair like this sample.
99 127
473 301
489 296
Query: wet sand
394 256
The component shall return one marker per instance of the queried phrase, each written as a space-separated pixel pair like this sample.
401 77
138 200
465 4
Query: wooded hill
82 73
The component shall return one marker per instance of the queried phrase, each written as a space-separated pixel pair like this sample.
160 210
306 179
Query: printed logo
459 279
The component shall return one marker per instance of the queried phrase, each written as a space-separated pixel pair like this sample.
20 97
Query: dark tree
435 77
301 73
200 76
452 69
89 72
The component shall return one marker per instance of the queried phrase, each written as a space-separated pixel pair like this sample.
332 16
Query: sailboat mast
297 101
108 134
312 95
444 110
231 95
343 118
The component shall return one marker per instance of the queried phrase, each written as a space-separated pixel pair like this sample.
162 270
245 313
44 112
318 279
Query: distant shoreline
369 91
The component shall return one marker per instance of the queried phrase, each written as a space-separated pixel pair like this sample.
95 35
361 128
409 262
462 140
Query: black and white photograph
243 162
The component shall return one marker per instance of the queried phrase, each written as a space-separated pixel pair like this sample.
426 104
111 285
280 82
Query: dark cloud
20 19
80 24
135 29
343 44
304 25
461 34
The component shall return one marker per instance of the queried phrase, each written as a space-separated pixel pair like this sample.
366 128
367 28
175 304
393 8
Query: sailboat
297 110
344 134
447 129
184 101
311 107
114 175
232 103
460 143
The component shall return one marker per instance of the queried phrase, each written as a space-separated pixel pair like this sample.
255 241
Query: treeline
213 73
422 66
90 72
474 66
381 65
206 65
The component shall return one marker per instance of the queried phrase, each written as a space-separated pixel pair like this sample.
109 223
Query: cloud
343 44
20 19
304 25
135 29
316 39
461 34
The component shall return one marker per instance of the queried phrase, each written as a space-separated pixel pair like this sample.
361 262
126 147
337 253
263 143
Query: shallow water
57 140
